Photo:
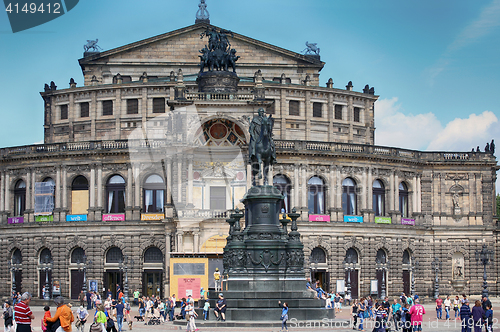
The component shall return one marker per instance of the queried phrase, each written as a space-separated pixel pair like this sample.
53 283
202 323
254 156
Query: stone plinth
218 82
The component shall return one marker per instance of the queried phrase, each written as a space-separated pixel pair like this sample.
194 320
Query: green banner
383 220
44 218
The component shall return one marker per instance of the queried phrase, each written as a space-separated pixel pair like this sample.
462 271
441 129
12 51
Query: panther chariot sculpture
92 46
218 55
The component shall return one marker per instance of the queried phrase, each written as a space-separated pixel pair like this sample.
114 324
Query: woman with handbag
284 315
100 320
190 316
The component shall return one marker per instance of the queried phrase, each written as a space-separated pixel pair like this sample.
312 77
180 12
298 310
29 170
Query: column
93 114
167 260
91 213
28 192
33 178
2 193
57 205
472 193
415 193
144 107
128 208
180 246
7 192
303 191
71 116
190 182
283 114
364 192
308 115
330 111
419 196
296 189
169 181
179 178
396 192
137 193
338 196
350 118
196 241
100 205
64 194
370 189
332 193
391 192
479 190
118 114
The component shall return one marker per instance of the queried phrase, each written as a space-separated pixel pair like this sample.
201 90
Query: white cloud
463 134
487 21
394 128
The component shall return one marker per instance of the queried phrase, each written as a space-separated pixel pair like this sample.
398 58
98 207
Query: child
206 309
489 318
44 319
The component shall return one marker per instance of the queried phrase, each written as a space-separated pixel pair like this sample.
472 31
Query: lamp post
414 267
46 266
349 267
383 268
484 256
14 266
436 265
123 267
83 266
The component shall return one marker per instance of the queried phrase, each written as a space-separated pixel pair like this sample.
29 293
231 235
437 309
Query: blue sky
434 63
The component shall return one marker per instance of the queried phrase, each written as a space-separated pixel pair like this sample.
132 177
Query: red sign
188 286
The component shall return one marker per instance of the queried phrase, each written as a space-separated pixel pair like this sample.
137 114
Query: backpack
110 324
127 307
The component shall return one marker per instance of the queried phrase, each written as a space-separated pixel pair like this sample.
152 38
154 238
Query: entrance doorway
152 283
76 283
111 279
406 282
352 277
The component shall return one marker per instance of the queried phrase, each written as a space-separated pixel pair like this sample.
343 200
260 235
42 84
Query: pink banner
188 286
113 217
319 217
16 220
407 221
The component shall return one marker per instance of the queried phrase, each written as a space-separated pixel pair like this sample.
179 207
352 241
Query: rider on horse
261 147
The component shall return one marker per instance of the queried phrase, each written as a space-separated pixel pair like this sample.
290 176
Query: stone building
139 170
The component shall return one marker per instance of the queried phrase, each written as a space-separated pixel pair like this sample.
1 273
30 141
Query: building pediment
179 49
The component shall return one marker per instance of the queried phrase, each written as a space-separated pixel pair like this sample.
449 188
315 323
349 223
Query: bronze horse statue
261 149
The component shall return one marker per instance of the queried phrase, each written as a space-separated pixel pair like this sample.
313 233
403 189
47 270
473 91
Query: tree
498 205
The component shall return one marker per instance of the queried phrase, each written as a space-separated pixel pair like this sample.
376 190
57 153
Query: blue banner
76 217
353 219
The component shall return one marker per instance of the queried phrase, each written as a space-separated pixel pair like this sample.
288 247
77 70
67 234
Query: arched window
351 256
19 198
80 183
283 184
17 257
77 255
114 255
378 198
381 257
318 256
153 255
115 195
154 189
80 195
406 257
403 200
349 204
45 256
316 195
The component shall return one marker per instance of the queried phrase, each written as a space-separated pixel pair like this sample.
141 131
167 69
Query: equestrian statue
261 150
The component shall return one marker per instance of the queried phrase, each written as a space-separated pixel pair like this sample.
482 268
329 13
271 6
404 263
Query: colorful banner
44 218
405 221
113 217
76 217
353 219
152 216
383 220
16 220
319 217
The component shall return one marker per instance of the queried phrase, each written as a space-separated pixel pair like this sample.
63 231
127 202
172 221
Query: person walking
190 316
136 297
23 314
354 313
447 307
477 316
396 313
100 317
439 308
417 311
465 316
8 316
64 314
284 315
456 307
361 313
119 314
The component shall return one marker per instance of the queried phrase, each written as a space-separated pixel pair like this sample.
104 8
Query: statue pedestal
458 285
218 82
264 264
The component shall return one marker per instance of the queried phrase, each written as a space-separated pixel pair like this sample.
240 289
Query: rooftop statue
92 46
261 150
311 48
217 55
